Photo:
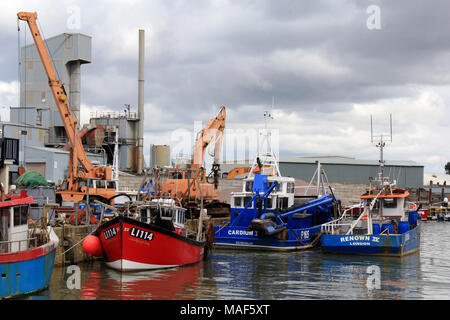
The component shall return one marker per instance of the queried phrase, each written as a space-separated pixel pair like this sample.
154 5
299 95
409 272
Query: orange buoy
92 245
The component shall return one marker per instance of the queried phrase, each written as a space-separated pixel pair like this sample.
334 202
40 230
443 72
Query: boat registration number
109 233
141 234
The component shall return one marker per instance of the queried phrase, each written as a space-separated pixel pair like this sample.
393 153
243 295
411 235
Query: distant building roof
348 160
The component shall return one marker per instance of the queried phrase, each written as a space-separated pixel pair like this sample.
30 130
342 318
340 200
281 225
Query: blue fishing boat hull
27 271
384 245
236 237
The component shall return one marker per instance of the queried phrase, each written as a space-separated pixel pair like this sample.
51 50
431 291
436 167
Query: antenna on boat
383 138
267 157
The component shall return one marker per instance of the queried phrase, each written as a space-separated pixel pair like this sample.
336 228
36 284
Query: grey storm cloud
312 56
241 53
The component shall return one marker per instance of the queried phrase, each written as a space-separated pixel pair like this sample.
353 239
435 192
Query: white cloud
9 96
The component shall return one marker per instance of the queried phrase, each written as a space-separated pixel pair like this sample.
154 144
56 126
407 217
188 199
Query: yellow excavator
190 185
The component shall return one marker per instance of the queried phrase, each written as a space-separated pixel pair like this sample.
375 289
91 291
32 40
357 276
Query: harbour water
229 275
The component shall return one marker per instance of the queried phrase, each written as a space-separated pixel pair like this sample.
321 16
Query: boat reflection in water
151 284
357 277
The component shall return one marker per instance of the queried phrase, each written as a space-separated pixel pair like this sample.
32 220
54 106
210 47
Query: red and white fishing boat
151 235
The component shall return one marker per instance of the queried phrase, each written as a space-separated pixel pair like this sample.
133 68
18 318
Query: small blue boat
263 214
27 255
385 227
387 230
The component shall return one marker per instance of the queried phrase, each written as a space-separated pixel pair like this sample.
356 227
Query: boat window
282 202
166 212
20 215
248 185
390 202
247 200
237 202
179 216
175 175
4 219
290 187
101 184
269 203
278 186
111 184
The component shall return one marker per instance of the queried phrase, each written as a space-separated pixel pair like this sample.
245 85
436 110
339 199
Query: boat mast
381 144
267 156
381 179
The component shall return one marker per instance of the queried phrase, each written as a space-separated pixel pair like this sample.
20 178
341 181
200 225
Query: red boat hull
130 245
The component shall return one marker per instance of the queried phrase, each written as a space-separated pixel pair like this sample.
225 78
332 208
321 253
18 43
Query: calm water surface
270 275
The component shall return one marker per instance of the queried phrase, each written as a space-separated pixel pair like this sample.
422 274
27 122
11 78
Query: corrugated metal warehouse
345 169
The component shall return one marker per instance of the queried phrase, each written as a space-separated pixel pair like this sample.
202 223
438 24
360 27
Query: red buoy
92 245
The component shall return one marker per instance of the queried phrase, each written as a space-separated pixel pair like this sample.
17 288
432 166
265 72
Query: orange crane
81 169
183 184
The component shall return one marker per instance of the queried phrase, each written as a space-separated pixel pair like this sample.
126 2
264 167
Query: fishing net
31 179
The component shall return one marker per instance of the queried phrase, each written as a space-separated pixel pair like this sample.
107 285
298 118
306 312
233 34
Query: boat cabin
388 205
163 210
14 211
282 197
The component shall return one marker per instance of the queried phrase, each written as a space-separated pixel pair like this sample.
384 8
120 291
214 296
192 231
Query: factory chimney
140 153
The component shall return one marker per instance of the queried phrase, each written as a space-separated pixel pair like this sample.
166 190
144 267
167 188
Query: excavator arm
214 129
59 94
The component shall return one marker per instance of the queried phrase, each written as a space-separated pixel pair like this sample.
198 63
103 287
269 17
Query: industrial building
37 124
68 52
344 169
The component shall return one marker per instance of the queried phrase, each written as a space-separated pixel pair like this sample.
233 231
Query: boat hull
384 245
130 245
287 240
26 271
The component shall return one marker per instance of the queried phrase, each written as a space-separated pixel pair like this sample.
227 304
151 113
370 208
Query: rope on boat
225 225
314 242
98 225
74 245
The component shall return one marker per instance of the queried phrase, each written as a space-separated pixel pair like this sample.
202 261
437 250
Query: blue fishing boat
385 227
263 214
27 254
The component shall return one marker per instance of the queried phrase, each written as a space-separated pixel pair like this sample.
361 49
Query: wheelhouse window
290 187
111 184
166 213
237 202
269 203
390 202
282 203
175 175
247 200
100 184
20 215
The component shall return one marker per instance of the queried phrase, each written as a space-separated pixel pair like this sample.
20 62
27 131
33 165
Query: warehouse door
36 166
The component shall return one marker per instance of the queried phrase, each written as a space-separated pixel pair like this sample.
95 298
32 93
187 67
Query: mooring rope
98 225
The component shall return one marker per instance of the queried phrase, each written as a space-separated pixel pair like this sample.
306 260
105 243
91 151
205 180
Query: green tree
447 168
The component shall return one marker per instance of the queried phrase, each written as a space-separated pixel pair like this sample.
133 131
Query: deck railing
7 246
330 227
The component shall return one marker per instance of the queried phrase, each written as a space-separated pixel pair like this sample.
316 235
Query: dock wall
68 236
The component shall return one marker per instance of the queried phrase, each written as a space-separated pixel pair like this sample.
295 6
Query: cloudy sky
328 64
